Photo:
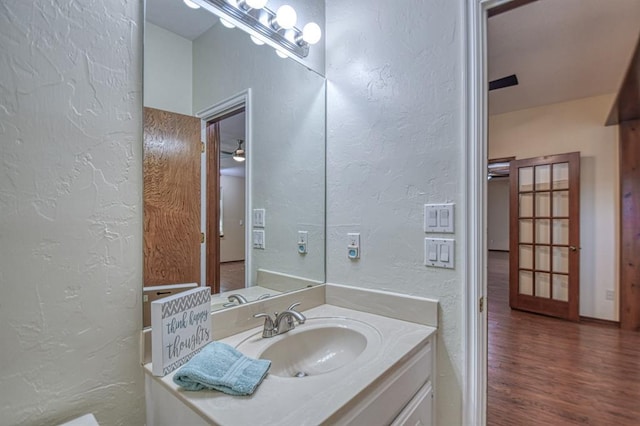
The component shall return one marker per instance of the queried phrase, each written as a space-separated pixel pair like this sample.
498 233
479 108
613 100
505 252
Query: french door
545 235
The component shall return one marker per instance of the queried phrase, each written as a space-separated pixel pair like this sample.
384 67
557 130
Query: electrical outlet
610 294
303 238
353 245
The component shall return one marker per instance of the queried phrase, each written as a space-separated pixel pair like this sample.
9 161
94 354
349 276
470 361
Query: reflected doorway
227 261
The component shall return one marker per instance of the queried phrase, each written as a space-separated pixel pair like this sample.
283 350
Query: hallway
545 371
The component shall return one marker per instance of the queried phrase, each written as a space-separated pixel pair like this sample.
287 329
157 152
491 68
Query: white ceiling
175 16
560 50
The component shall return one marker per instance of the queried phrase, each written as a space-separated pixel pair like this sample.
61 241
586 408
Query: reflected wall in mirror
191 64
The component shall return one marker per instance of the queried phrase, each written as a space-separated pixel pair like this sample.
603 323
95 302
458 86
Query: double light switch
439 252
438 218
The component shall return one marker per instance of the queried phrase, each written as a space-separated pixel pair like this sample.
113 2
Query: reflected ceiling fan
501 83
238 154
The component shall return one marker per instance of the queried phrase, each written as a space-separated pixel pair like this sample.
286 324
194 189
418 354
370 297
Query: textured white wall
287 149
168 70
395 139
567 127
232 244
70 211
498 214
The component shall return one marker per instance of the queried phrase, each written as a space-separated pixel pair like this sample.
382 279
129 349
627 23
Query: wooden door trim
629 296
213 208
506 7
570 311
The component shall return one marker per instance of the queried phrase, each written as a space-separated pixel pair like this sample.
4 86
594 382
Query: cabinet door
419 411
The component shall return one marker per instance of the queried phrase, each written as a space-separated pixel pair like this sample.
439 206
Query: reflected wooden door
171 168
545 235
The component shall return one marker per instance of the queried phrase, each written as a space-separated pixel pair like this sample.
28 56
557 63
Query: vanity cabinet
402 396
419 411
391 382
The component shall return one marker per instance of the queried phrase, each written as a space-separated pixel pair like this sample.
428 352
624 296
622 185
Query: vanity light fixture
256 4
226 23
286 17
191 4
264 25
256 40
311 33
238 154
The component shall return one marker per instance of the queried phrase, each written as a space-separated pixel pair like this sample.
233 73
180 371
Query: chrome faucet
240 299
235 300
283 322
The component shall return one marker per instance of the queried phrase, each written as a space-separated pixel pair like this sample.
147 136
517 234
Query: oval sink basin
314 351
319 346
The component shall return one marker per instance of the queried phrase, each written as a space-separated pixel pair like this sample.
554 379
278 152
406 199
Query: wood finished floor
231 276
546 371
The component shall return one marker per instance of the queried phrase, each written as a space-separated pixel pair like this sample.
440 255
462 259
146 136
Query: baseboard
598 321
500 251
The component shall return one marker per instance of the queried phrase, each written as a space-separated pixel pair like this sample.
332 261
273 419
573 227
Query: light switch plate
439 252
439 218
259 218
258 239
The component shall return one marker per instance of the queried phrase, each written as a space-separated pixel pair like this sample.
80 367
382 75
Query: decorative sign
180 327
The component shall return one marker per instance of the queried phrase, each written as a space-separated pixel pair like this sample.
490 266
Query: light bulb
226 23
282 54
256 40
286 17
311 33
191 4
256 4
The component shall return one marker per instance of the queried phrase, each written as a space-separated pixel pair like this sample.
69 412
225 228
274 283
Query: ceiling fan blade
503 82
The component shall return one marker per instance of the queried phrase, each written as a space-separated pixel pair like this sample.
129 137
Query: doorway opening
226 130
479 123
232 184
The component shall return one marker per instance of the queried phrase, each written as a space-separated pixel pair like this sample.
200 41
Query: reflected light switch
444 218
444 253
432 253
432 218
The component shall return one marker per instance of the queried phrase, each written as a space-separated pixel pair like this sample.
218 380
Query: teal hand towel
221 367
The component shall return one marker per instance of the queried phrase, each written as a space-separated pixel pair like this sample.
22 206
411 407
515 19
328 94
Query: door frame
475 86
206 115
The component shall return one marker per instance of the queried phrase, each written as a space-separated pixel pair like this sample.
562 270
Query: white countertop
309 400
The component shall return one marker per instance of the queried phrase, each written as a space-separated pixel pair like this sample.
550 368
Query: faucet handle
269 327
291 308
267 317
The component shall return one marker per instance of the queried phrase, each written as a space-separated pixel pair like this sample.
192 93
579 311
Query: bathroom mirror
193 67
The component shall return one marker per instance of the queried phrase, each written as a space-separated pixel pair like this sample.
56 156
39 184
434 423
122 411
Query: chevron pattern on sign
179 363
188 301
